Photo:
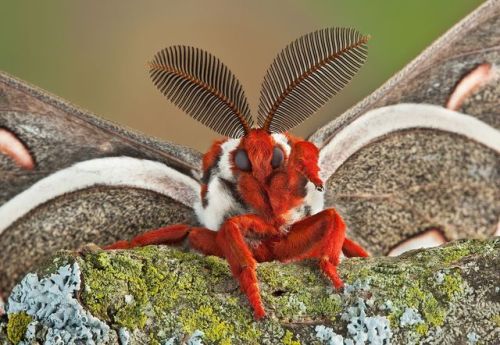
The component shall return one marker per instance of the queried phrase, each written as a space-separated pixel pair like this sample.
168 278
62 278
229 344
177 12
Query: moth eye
277 157
241 160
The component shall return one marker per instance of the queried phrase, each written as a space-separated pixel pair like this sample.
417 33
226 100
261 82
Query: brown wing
91 180
412 179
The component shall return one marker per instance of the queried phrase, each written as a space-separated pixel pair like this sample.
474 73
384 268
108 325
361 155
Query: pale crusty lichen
51 302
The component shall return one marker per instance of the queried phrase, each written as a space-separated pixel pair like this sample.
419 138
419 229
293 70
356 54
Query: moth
260 187
401 168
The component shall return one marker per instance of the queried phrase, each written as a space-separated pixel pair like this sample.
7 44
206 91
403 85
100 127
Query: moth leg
304 159
171 234
204 240
320 236
352 249
233 239
201 239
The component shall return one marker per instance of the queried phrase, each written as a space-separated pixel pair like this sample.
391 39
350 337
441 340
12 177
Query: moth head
258 154
301 79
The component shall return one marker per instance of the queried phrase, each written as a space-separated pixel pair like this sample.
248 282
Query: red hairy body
266 233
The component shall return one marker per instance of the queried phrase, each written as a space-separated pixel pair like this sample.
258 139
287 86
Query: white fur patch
314 198
382 121
219 204
225 159
111 171
283 141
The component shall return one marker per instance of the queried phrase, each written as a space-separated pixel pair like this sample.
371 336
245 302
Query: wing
401 167
69 178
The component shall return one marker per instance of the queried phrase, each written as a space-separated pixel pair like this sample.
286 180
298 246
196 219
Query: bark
161 295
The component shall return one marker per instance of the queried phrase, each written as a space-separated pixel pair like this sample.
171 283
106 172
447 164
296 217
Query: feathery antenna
202 86
306 74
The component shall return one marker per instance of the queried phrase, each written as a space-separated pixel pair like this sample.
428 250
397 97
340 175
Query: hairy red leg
204 240
166 235
352 249
201 239
232 239
320 236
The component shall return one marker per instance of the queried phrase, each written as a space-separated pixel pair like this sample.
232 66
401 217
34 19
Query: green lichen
407 285
427 304
105 278
452 285
411 281
291 296
165 292
17 326
213 327
496 320
128 288
159 280
357 271
422 329
455 253
288 339
329 306
282 279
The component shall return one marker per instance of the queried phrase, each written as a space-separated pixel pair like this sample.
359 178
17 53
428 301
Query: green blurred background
93 52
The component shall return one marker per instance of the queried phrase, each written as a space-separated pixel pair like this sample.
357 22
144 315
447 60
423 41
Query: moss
204 319
452 285
102 260
291 296
412 283
422 329
281 279
173 293
433 312
159 281
178 280
329 307
496 320
361 272
399 285
428 305
288 339
17 326
455 253
182 281
217 267
152 340
104 277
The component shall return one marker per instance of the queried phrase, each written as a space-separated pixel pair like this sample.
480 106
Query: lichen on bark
162 295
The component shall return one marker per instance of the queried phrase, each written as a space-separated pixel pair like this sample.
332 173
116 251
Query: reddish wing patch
11 146
427 239
469 84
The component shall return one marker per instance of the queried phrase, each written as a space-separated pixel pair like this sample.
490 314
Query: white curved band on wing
385 120
110 171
